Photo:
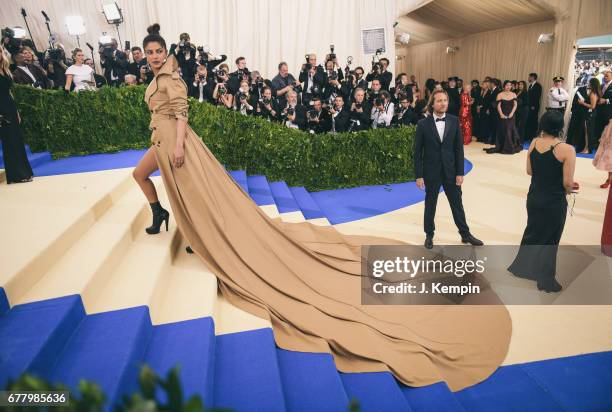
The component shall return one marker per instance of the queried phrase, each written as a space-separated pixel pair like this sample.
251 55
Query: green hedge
114 119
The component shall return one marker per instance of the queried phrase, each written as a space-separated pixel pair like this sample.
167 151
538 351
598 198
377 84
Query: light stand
24 14
76 27
113 15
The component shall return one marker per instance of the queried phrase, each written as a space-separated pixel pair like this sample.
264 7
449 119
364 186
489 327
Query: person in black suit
361 111
380 72
318 120
454 98
534 93
604 104
340 115
404 114
438 161
201 87
114 62
493 115
293 114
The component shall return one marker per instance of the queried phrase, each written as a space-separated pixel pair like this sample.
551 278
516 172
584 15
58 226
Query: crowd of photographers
323 98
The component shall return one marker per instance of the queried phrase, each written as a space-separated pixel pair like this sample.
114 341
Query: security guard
557 96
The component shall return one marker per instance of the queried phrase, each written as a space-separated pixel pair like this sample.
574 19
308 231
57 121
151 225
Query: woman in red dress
465 114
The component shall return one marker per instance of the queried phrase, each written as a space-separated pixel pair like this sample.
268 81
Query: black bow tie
441 119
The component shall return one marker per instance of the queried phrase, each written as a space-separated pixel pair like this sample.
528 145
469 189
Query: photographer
374 92
383 111
334 83
314 81
257 85
114 62
293 115
266 107
283 83
205 58
10 43
222 96
56 65
29 74
201 88
379 71
241 73
242 98
360 111
340 115
402 87
318 119
139 66
186 56
405 114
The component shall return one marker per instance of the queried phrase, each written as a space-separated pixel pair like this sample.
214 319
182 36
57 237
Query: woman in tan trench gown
303 278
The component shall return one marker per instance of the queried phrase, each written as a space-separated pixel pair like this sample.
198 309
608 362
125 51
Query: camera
378 101
313 114
290 111
307 66
297 89
332 55
332 75
266 101
221 90
358 105
241 96
14 44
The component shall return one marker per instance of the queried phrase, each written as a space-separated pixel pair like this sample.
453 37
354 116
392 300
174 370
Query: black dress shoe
189 250
469 238
549 285
429 242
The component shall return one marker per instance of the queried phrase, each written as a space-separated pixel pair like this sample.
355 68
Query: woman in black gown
508 141
551 164
16 163
522 110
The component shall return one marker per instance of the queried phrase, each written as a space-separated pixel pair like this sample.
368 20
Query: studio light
112 12
105 39
546 38
18 32
403 38
76 26
451 50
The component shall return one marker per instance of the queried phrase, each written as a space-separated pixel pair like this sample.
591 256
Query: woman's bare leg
144 169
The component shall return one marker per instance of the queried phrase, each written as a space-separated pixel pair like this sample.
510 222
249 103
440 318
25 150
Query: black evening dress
16 164
508 140
546 213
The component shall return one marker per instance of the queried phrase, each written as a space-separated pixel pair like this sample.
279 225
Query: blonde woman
16 164
79 73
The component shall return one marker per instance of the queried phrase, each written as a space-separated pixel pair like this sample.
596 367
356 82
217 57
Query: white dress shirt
557 98
440 125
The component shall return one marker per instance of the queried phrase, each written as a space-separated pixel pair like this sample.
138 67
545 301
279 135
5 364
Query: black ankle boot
159 216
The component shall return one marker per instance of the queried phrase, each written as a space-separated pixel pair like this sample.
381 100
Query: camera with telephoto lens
220 73
290 111
241 96
221 90
332 75
55 54
313 114
358 105
14 44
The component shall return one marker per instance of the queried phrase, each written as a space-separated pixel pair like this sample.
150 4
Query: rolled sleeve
177 96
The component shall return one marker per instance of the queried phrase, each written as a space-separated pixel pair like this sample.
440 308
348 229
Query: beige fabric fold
305 279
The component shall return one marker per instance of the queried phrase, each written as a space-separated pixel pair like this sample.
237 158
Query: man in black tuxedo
340 115
438 161
454 103
534 93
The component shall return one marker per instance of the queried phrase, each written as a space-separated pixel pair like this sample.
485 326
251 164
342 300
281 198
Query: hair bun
153 29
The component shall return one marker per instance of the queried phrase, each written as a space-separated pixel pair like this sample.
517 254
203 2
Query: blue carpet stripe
283 197
310 209
376 391
259 189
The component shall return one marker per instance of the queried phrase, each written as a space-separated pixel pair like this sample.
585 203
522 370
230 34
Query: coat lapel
447 127
434 129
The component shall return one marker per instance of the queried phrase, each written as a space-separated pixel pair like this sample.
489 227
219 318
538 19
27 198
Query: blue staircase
246 371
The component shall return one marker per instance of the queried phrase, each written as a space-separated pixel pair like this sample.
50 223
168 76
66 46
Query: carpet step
375 391
87 265
48 239
309 207
190 345
37 159
32 335
437 397
283 197
117 338
259 189
306 374
240 177
247 376
577 383
501 390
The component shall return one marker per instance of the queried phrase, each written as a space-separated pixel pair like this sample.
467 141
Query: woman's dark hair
420 105
429 84
506 82
153 36
552 123
595 86
524 83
